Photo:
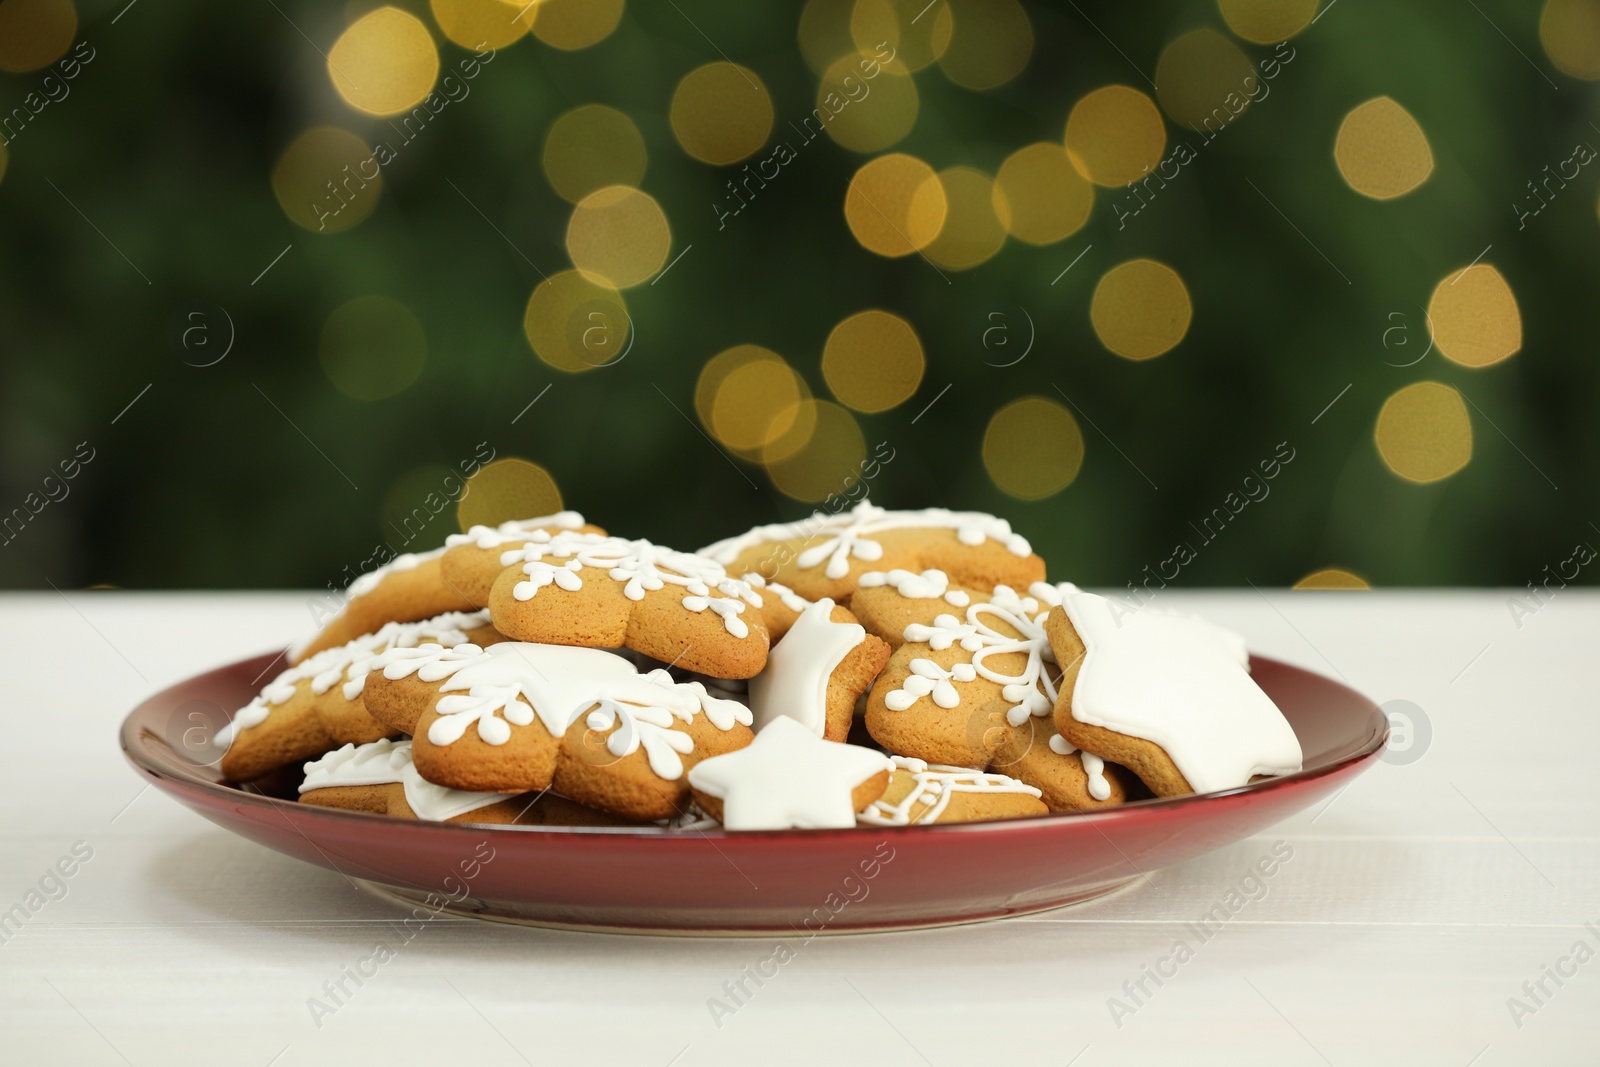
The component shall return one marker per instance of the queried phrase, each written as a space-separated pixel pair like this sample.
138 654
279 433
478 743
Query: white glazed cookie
790 778
379 777
823 556
818 671
1168 696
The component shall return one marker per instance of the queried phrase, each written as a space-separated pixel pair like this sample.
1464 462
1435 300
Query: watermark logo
1410 733
201 334
1000 347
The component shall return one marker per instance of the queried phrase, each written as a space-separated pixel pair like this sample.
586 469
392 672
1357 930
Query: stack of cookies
869 667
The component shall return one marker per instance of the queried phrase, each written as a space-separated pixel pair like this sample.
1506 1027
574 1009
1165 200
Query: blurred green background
143 197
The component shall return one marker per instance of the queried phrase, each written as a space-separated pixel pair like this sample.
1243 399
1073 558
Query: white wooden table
1416 904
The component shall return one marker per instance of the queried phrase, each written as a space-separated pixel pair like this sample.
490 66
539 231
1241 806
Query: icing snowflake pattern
1031 691
849 535
555 559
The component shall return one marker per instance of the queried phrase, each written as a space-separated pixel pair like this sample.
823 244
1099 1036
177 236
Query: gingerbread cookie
316 705
790 778
379 777
1067 778
816 673
471 561
921 792
609 592
408 588
887 602
824 555
631 760
1170 697
498 719
959 680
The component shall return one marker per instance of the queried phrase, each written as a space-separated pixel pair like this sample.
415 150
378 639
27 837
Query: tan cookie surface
823 556
409 588
920 792
471 561
608 592
1036 754
955 684
632 761
275 728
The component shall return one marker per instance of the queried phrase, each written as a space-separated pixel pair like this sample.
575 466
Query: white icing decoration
406 561
377 763
1093 766
791 600
511 683
928 585
388 762
651 726
846 536
437 803
1178 682
795 679
350 663
639 565
788 777
933 786
514 530
1031 691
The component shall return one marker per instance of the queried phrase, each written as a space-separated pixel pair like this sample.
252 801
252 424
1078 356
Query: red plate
830 881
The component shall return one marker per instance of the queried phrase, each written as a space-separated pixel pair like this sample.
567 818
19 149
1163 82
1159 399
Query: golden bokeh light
1039 196
1267 21
1140 309
721 113
573 24
1332 578
618 236
717 368
1424 434
1033 448
972 232
413 503
1474 317
384 63
327 180
791 424
868 115
1201 80
482 24
917 31
1570 33
895 205
829 462
372 348
1115 135
873 361
35 33
591 147
574 324
1381 151
991 42
757 402
507 489
824 32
